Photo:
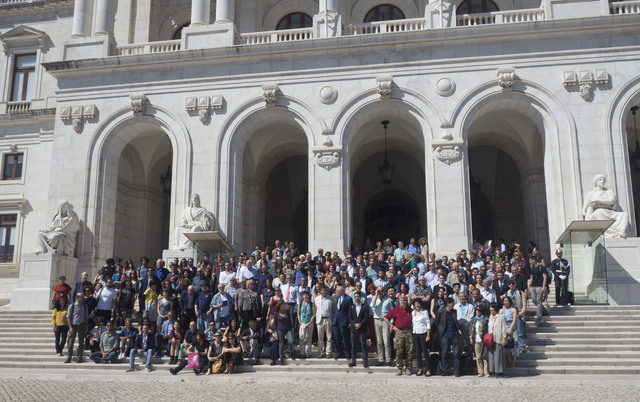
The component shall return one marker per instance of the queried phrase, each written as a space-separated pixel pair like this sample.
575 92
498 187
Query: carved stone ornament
328 95
385 86
569 78
601 77
77 115
13 148
327 159
447 150
270 92
327 142
586 85
445 86
506 78
138 104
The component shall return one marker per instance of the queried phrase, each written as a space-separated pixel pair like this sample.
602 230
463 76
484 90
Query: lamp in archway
166 181
386 169
635 155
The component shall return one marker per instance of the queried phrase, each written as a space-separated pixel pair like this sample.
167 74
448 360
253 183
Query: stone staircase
572 340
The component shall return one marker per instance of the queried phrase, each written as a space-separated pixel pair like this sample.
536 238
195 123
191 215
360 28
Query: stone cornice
473 36
28 7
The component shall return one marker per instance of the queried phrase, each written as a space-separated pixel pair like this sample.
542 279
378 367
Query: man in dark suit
449 330
500 285
188 300
341 335
144 345
359 323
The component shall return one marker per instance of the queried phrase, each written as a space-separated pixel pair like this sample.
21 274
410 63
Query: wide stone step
602 361
579 347
555 323
586 330
572 370
585 354
560 341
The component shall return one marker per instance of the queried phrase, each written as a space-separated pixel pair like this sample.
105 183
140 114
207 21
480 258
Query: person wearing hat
162 337
561 270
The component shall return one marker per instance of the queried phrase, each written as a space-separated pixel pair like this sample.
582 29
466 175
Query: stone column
535 210
200 10
449 223
327 198
225 10
330 5
105 17
82 13
329 25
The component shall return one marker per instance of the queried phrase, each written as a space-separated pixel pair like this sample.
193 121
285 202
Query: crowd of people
401 302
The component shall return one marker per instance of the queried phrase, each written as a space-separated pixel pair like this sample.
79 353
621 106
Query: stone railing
285 35
625 7
501 17
148 48
415 24
16 2
17 107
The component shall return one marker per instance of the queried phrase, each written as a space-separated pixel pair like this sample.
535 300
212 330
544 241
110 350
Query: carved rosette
506 78
447 150
384 85
270 92
77 115
138 104
328 158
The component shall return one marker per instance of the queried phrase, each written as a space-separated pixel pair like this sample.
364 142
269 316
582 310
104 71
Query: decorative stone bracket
77 115
270 93
586 81
138 104
328 158
384 85
506 78
203 104
447 151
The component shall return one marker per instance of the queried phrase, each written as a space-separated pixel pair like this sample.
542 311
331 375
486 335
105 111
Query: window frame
469 3
24 71
376 10
5 158
13 227
3 154
14 204
288 18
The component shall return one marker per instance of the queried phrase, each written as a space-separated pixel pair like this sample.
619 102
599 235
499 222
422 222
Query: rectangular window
24 72
12 166
7 237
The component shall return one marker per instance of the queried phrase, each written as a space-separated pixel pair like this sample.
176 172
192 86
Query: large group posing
399 301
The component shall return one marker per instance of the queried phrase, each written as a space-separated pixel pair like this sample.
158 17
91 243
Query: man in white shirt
487 293
290 297
325 308
106 300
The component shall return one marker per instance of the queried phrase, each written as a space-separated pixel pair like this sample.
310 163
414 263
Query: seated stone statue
600 204
193 219
61 236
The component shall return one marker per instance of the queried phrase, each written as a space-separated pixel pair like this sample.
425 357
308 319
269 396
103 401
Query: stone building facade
500 114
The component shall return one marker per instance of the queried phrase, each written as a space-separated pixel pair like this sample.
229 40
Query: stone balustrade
415 24
625 7
16 2
501 17
17 107
148 48
285 35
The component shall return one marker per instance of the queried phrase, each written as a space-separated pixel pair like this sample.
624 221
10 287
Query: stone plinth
38 276
168 255
623 270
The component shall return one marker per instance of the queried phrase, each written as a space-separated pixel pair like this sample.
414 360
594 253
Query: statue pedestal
169 255
38 276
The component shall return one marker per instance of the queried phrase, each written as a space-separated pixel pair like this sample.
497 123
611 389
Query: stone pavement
40 385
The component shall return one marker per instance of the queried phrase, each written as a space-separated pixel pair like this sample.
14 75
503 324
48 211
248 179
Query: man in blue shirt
162 337
263 276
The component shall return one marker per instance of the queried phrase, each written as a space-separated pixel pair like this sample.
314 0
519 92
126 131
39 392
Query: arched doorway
275 184
633 141
507 176
134 209
397 209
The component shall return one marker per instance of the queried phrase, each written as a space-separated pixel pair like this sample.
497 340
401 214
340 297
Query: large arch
557 147
358 129
618 124
103 159
282 8
242 127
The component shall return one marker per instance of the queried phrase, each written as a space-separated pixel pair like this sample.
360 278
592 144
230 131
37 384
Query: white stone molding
569 78
138 104
327 141
385 86
327 158
77 114
447 151
270 92
23 36
328 95
506 78
445 86
191 103
601 77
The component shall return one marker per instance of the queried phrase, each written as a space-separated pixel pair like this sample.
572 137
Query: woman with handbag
510 314
232 354
498 329
215 354
306 319
477 330
197 356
